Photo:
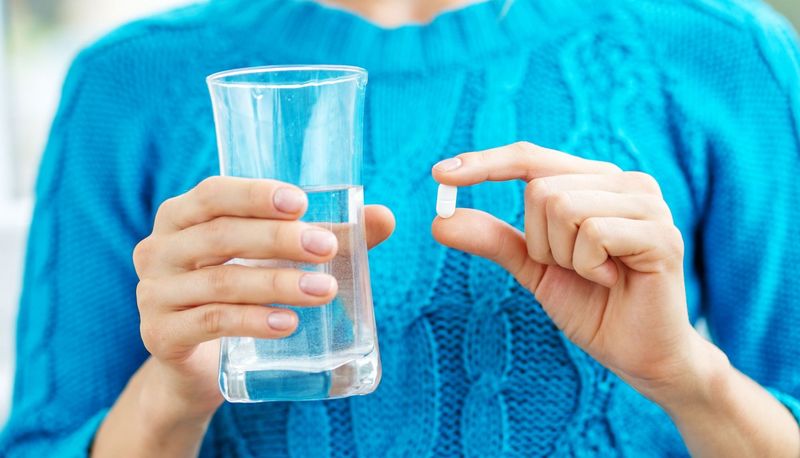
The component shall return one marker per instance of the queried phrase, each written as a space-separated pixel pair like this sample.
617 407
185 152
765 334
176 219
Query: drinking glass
303 125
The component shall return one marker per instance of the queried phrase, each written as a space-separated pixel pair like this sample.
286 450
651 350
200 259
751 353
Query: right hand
188 297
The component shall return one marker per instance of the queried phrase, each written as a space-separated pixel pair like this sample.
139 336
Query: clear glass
303 125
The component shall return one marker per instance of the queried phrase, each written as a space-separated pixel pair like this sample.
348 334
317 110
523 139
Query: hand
600 252
188 297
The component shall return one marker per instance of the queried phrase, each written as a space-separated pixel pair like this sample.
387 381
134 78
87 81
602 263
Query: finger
540 190
177 332
644 246
217 241
522 160
621 182
379 222
230 196
566 211
498 241
233 284
379 225
537 192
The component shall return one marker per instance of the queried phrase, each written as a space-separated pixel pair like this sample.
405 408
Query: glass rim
347 73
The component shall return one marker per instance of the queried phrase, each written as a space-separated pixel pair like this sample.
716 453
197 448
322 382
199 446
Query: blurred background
38 39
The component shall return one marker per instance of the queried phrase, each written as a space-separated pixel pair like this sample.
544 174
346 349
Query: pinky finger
182 331
641 245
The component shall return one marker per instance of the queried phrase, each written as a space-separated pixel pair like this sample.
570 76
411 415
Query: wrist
703 377
147 420
165 409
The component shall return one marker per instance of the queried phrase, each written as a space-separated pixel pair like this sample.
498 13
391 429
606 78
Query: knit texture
702 94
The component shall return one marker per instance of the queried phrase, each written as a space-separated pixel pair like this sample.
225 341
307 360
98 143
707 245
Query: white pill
446 201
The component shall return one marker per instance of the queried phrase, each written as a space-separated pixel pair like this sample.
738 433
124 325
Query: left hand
600 252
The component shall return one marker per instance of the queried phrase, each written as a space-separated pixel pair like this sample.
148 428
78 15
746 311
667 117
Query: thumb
379 222
482 234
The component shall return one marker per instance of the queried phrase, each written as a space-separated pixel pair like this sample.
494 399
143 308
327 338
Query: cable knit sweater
702 94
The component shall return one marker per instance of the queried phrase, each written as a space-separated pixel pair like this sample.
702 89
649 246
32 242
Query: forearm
147 421
725 413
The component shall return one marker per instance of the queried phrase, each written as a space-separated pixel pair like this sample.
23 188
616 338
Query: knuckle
524 147
538 253
581 268
220 281
532 251
479 158
563 259
145 293
216 231
496 250
152 337
645 182
211 321
143 254
206 191
610 167
676 245
559 206
244 320
540 256
593 229
167 206
662 208
210 185
275 281
537 190
468 157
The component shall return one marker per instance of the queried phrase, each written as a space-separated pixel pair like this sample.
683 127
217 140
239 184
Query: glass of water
303 125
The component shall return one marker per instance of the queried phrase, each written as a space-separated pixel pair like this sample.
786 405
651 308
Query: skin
600 253
396 13
188 298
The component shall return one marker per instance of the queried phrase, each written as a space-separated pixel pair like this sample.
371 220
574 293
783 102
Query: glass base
341 376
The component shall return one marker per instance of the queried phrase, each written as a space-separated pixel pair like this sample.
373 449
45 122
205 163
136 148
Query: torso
472 366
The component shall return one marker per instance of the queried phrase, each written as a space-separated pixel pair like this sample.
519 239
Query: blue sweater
702 94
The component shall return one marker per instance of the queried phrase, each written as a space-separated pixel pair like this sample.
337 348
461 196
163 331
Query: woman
678 200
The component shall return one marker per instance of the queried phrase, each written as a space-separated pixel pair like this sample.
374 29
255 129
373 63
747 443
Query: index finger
231 196
518 161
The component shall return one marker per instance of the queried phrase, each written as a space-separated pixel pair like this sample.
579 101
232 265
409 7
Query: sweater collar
304 31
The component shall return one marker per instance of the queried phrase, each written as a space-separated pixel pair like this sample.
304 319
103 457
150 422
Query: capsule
446 200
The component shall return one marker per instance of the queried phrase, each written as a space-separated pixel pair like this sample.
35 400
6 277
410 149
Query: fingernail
316 284
281 321
289 200
318 241
448 165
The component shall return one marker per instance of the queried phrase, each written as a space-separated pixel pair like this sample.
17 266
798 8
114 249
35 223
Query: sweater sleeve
78 327
751 230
